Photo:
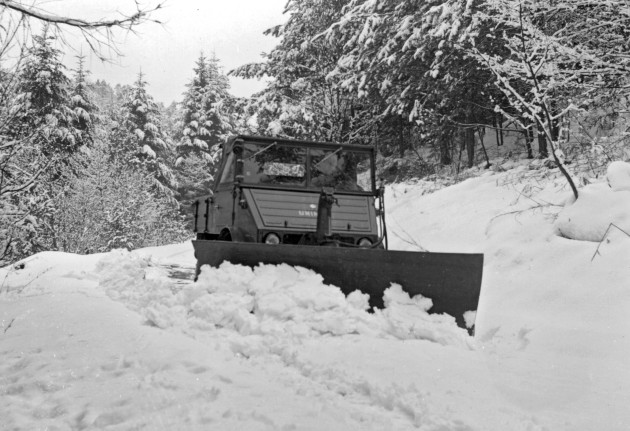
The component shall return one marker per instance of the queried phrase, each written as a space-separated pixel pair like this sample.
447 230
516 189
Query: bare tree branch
98 34
611 225
125 22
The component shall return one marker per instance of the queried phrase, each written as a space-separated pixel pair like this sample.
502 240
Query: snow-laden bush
110 205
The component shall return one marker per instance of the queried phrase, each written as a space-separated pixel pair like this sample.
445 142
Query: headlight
272 238
364 242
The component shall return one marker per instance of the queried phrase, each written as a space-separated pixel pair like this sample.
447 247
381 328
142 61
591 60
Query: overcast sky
232 29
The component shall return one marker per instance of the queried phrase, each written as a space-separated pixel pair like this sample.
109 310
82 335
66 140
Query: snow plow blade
451 280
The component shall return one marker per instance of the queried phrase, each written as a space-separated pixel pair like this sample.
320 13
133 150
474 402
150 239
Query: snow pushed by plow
275 302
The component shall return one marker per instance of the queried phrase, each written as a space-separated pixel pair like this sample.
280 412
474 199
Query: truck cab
268 190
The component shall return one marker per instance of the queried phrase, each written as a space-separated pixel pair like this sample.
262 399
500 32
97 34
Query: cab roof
295 142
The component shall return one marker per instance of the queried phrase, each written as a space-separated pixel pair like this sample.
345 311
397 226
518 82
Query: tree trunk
498 122
555 124
529 137
401 137
469 139
481 131
459 159
496 130
445 151
542 144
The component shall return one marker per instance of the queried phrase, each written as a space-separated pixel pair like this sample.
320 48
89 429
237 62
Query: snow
583 220
148 151
125 340
618 175
274 128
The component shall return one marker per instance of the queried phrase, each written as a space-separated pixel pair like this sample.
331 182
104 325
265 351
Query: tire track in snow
405 406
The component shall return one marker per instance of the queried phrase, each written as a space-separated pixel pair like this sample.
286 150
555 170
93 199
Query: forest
87 166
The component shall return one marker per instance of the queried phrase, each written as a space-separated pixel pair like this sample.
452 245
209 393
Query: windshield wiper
327 157
261 151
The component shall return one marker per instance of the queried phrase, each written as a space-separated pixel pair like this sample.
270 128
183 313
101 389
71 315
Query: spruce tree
82 103
205 122
205 125
219 96
305 99
46 142
196 124
139 138
45 105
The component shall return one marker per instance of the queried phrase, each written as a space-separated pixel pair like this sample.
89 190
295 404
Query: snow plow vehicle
317 205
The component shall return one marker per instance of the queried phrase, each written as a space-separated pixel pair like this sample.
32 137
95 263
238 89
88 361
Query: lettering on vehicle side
307 213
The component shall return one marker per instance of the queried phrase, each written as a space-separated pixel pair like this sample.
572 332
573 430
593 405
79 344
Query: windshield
343 170
278 164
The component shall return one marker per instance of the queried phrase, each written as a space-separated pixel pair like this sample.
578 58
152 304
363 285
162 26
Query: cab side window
228 171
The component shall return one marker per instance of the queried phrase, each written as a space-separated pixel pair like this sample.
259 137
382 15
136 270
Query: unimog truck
317 205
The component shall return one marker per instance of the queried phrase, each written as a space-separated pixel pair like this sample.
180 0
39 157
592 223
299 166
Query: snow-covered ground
126 341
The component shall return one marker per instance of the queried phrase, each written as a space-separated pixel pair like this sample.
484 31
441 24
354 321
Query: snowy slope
127 341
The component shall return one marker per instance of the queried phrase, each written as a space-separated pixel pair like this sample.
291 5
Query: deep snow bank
618 175
599 208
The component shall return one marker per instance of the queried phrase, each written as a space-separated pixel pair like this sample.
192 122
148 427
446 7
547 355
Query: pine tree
46 106
45 144
218 96
82 103
171 121
305 99
104 95
205 123
196 124
138 136
411 56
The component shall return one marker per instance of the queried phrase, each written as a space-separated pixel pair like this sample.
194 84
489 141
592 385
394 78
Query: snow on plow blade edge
451 280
